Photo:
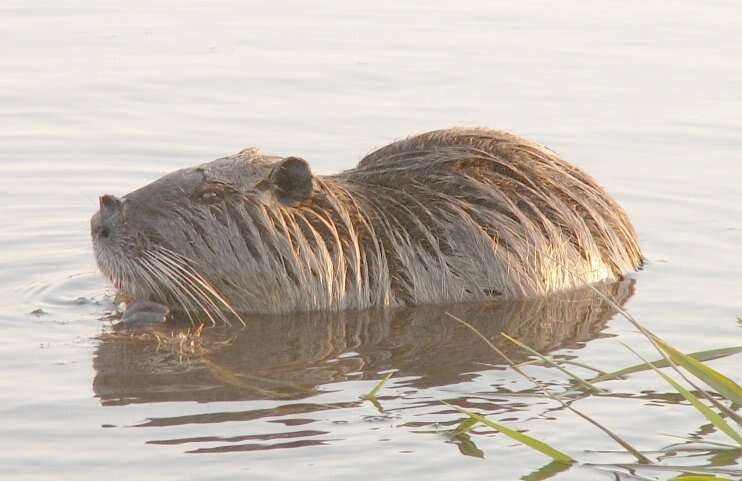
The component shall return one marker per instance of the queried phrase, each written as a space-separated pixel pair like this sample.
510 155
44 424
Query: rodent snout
98 230
101 224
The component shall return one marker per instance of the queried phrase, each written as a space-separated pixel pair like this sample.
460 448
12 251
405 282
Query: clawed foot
143 314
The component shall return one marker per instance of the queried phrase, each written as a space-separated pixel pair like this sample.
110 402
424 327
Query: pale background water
102 97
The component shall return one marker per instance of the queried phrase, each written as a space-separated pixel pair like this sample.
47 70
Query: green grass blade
495 348
713 378
465 426
702 441
467 447
532 443
371 396
377 405
547 472
697 477
561 362
551 363
725 457
546 392
662 363
719 405
628 447
713 417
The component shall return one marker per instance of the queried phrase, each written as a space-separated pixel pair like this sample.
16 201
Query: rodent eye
210 197
210 193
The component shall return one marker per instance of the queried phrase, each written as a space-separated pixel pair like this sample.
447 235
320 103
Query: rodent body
455 215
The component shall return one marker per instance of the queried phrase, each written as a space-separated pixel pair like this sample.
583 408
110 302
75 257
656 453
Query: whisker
173 290
200 285
188 288
185 290
173 258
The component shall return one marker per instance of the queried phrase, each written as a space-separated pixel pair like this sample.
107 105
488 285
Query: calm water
102 97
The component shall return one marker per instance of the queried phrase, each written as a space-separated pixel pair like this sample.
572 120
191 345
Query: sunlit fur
454 215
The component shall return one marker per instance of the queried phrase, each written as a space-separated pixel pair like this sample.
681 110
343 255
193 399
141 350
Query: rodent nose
103 220
99 228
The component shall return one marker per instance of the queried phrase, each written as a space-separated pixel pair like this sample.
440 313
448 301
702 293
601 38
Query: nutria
453 215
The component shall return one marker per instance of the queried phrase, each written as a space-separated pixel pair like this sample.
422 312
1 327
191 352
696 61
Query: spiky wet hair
453 215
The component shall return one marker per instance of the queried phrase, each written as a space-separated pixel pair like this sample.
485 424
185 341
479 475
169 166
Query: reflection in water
289 357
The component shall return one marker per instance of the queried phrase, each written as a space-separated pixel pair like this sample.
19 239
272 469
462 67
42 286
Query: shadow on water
287 358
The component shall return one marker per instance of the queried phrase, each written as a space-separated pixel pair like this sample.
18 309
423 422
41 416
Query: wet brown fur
453 215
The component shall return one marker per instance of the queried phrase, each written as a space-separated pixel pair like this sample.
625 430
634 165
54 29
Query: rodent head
180 239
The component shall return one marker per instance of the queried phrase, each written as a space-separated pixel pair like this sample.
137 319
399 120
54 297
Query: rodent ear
292 179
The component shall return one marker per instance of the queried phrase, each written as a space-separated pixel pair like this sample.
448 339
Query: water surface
103 97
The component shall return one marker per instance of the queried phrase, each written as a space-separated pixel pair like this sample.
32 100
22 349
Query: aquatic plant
717 406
